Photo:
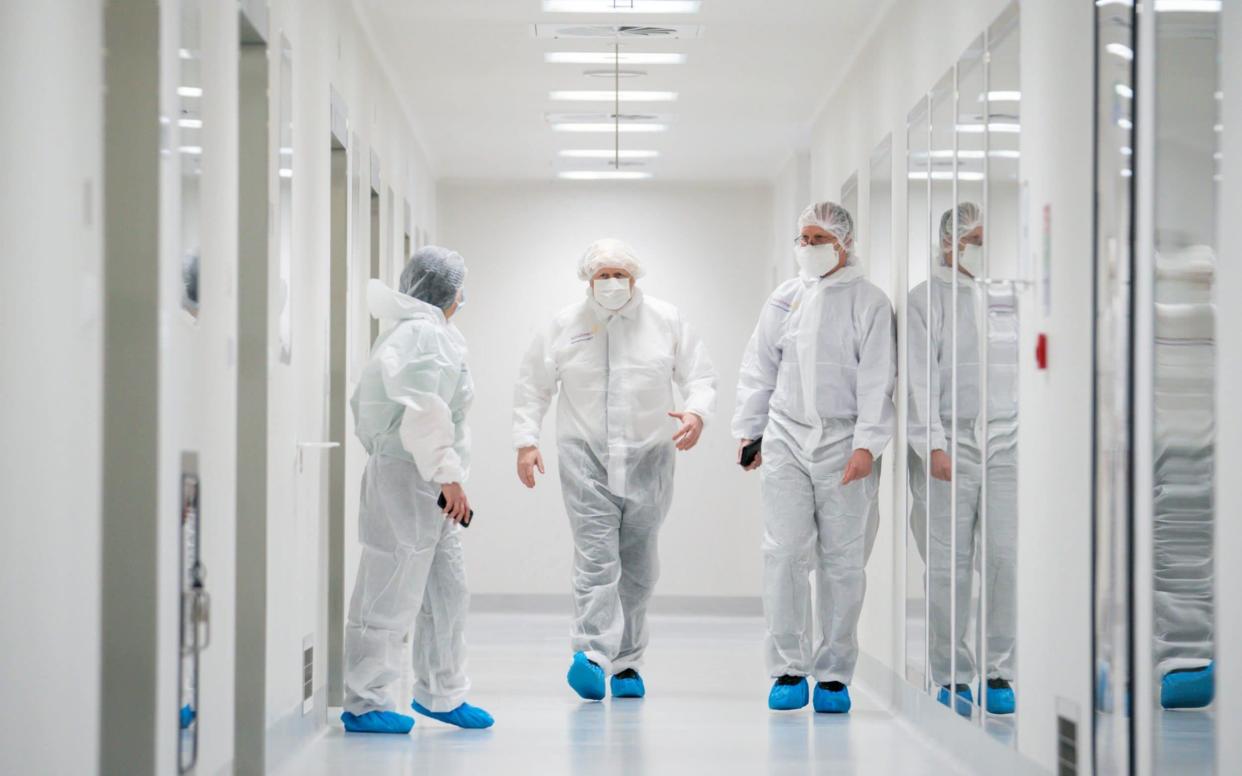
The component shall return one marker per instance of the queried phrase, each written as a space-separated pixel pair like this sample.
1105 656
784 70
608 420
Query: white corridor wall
707 250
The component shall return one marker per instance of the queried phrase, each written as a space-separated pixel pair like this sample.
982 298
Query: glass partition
961 345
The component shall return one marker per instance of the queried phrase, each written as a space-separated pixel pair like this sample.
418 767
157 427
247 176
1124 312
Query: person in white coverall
816 384
615 357
410 413
986 318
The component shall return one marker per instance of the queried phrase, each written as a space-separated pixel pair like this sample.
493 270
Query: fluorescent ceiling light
609 127
190 123
1124 91
189 91
1127 173
1001 97
1127 151
621 6
607 153
939 175
1114 2
1005 154
603 175
587 95
1120 50
1188 6
1125 123
995 126
191 150
185 53
285 172
609 58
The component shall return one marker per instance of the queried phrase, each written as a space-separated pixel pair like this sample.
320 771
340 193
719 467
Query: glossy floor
706 712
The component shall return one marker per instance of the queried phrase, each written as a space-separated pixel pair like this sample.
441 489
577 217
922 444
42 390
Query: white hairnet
832 218
608 253
434 275
969 216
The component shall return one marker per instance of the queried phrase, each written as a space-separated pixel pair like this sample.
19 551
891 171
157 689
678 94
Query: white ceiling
473 75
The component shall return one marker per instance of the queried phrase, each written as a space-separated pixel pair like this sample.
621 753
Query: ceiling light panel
607 153
616 32
621 6
603 175
611 96
611 58
623 128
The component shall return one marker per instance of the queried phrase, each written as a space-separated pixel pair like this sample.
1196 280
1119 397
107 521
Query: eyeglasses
818 239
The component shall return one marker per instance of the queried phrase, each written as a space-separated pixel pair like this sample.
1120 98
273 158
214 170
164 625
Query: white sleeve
757 377
694 373
923 410
422 378
532 395
876 376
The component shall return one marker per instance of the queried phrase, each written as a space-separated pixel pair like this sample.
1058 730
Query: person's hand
691 427
457 506
941 466
529 459
858 467
758 456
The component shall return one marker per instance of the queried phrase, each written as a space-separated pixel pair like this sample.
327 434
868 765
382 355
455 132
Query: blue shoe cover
627 687
187 716
377 722
831 701
586 678
965 699
1192 689
464 716
787 697
1000 700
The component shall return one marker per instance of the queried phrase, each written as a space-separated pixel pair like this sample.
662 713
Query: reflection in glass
1187 133
918 255
285 177
1113 378
962 336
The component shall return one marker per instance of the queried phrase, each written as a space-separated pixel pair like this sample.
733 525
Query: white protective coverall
410 413
817 383
976 303
615 372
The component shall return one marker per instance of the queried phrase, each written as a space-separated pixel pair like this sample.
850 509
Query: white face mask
612 293
816 260
970 258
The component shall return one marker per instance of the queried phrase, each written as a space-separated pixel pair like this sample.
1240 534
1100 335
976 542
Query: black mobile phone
443 502
749 452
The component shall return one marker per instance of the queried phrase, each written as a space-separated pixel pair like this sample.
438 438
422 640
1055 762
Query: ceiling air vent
616 31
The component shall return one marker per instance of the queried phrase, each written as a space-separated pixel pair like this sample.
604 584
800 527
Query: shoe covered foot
627 684
964 699
586 678
187 716
831 698
788 693
464 716
1192 688
999 697
377 722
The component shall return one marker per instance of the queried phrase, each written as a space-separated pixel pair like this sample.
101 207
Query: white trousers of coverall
813 522
410 574
1000 576
616 552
